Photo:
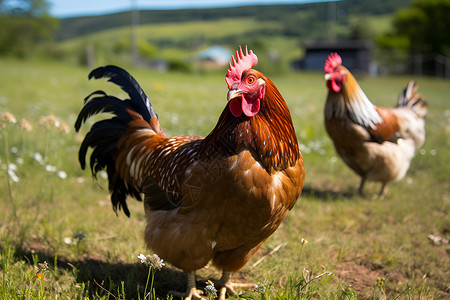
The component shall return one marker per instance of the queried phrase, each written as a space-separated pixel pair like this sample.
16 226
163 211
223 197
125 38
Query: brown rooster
216 198
377 143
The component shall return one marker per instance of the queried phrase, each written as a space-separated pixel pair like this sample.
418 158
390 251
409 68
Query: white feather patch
276 180
362 111
129 156
272 201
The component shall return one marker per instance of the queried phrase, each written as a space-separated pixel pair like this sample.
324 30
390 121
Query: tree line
419 26
23 24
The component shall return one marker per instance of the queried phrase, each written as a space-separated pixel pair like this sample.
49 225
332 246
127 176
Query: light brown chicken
377 143
206 199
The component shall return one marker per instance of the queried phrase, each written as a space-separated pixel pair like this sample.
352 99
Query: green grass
372 247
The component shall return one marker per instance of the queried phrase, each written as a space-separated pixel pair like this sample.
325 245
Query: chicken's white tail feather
412 100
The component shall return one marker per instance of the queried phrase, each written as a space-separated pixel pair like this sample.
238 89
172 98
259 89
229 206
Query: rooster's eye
250 80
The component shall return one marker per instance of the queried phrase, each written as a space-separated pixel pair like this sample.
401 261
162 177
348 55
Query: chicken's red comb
332 62
242 63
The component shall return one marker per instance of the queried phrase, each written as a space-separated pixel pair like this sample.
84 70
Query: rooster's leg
226 286
191 292
361 185
383 191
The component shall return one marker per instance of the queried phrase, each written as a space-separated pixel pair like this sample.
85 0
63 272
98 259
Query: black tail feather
105 134
123 79
105 103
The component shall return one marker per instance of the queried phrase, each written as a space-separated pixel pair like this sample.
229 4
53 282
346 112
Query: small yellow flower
40 275
303 242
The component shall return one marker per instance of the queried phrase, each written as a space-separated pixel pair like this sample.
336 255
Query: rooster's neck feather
270 133
353 103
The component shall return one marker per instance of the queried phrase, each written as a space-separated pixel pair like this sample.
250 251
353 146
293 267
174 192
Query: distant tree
422 28
23 23
360 30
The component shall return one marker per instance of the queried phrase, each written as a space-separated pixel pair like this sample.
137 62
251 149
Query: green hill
288 15
275 32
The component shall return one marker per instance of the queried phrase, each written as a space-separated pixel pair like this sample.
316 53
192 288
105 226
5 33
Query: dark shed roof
356 55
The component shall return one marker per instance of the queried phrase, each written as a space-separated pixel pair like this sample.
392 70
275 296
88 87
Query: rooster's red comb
332 62
243 61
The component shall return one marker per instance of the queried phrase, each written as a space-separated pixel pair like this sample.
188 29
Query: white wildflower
262 288
50 168
103 174
38 157
143 258
12 168
152 261
13 176
68 241
210 289
62 174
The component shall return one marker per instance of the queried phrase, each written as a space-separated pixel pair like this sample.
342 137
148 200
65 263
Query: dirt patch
362 278
359 277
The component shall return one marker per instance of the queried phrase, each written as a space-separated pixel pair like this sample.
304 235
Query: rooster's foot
228 287
192 293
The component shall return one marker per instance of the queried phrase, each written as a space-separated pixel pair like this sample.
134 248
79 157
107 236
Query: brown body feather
387 129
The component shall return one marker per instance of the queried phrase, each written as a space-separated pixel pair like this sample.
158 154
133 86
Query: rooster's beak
327 76
233 93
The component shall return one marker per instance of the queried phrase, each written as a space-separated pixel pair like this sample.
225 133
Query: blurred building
214 57
357 56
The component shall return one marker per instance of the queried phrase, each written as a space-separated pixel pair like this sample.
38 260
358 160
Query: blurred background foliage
23 25
398 29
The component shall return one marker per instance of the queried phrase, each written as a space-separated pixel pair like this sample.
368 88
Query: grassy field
53 212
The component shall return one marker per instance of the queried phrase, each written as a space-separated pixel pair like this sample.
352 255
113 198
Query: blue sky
68 8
